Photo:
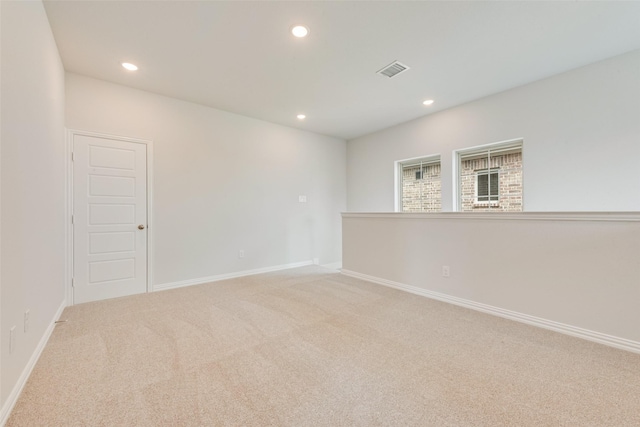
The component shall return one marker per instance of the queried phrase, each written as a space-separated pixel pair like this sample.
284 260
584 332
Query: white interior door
109 218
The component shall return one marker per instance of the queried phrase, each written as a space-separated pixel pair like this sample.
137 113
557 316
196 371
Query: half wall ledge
573 272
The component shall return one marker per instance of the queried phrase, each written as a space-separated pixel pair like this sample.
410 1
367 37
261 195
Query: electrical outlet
12 339
446 272
241 253
302 199
316 261
26 320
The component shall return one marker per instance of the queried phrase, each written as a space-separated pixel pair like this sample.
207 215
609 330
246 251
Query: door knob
141 227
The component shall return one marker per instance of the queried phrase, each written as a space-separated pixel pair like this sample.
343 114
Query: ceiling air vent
393 69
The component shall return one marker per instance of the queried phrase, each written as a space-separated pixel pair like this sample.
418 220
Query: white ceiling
239 56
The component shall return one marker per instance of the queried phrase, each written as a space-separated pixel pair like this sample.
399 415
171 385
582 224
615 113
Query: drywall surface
579 269
32 184
223 182
580 128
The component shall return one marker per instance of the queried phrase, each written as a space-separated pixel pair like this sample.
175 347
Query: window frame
397 175
457 156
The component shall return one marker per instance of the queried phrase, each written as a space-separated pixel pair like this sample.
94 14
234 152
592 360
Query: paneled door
109 218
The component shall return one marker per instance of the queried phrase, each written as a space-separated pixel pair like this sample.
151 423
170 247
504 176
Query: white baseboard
17 389
333 265
201 280
575 331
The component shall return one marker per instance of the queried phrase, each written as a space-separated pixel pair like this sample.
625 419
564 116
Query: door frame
70 133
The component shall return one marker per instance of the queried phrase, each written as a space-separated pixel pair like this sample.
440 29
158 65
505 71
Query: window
487 188
490 178
418 186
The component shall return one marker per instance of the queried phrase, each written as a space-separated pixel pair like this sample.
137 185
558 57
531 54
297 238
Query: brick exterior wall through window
509 168
421 195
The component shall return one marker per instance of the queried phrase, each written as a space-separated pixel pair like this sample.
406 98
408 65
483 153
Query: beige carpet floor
310 347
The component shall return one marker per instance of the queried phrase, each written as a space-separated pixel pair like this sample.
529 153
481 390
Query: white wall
32 185
590 116
578 273
223 182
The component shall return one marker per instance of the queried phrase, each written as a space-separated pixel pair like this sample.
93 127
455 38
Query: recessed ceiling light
428 102
300 31
301 116
129 66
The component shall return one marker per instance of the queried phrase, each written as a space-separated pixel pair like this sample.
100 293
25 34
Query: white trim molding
574 331
504 216
70 133
219 277
5 412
